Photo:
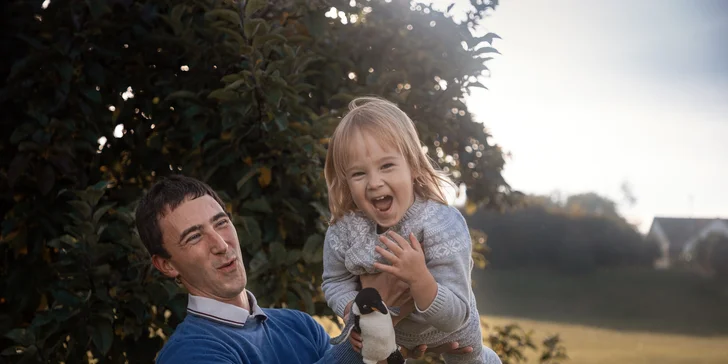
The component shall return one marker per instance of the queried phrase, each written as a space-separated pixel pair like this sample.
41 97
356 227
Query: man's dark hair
167 193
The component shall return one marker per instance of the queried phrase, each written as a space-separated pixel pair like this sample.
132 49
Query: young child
389 214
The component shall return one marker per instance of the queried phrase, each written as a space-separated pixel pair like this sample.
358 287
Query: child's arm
339 286
441 288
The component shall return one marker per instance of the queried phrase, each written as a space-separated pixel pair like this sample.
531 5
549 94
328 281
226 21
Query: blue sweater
286 336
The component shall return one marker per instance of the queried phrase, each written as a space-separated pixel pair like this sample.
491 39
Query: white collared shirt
222 312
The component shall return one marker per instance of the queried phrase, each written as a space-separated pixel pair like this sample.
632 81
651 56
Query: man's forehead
198 209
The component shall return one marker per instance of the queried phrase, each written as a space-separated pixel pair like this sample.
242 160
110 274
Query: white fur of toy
379 341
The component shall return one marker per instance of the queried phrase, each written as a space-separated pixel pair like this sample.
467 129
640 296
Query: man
190 237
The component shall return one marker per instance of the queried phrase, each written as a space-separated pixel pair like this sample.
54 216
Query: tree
104 97
541 233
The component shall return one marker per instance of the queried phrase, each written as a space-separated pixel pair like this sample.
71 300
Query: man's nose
218 245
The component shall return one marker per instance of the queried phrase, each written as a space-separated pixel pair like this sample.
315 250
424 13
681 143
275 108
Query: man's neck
240 300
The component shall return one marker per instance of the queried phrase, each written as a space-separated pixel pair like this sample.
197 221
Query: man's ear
165 266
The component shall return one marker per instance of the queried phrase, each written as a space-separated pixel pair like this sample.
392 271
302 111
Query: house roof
679 230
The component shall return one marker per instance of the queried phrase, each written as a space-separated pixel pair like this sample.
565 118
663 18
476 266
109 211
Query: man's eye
194 238
388 165
222 223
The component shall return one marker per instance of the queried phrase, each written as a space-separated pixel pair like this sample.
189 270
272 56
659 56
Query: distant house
678 237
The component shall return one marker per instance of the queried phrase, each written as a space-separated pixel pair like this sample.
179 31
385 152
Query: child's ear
164 266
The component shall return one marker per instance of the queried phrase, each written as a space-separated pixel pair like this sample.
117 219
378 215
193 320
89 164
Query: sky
587 95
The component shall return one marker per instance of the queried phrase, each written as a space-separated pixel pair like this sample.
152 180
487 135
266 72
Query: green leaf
259 205
225 14
241 182
92 95
248 232
313 249
98 8
81 207
268 38
477 84
66 298
223 95
282 122
68 239
254 27
277 254
181 94
232 78
258 263
21 336
323 211
99 213
294 255
13 350
484 50
254 5
305 296
102 334
489 38
236 84
21 132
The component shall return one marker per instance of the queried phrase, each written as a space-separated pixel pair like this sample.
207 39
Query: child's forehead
366 144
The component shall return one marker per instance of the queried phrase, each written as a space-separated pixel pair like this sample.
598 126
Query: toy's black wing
395 358
346 331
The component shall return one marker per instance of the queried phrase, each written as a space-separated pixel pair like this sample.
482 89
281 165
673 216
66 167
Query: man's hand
447 348
394 292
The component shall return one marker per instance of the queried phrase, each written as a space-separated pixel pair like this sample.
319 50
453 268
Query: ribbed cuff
343 302
343 354
436 306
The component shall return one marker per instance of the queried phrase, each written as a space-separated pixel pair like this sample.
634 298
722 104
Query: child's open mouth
382 203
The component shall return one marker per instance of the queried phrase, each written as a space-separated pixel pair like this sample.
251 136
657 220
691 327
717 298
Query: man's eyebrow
188 231
219 216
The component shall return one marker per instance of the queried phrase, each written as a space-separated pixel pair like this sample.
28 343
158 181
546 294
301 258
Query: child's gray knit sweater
444 236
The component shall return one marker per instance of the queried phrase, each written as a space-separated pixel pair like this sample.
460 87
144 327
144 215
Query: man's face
204 248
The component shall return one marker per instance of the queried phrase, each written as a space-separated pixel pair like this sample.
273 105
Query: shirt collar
224 312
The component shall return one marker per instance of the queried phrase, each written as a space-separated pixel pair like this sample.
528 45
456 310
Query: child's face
380 180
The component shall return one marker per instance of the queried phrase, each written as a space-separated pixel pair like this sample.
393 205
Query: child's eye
357 174
388 165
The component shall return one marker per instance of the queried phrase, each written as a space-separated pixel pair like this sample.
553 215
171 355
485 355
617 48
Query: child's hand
408 260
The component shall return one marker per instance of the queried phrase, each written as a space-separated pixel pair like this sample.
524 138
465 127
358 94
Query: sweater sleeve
447 248
339 285
199 349
328 353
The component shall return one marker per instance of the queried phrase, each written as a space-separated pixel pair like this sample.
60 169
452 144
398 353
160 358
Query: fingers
403 244
415 353
394 246
465 350
355 340
415 244
386 268
387 255
445 348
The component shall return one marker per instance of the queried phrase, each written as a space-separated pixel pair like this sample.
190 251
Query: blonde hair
391 126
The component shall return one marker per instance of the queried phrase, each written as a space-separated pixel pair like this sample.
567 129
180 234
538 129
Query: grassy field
637 316
592 345
626 316
629 300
